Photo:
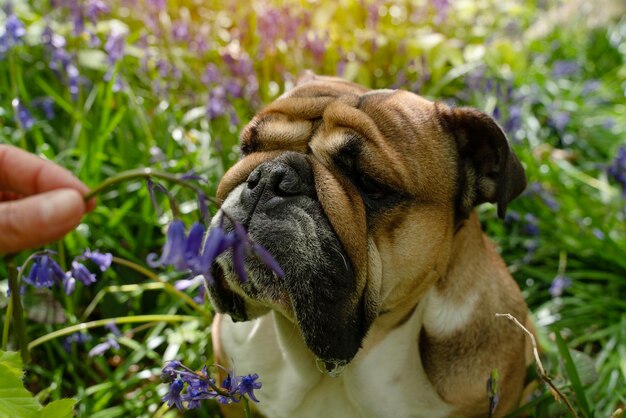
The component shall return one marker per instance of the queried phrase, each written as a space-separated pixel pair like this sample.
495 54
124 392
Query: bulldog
388 304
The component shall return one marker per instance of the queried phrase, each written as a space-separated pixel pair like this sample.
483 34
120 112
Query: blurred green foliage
185 77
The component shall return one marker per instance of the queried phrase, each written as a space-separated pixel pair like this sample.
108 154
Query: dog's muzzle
279 206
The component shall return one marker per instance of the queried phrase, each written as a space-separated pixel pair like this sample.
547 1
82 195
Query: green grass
566 127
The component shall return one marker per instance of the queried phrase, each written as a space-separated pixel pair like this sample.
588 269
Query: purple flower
73 80
96 8
170 371
244 246
185 284
562 69
14 28
44 272
441 8
317 45
46 104
173 253
23 116
247 384
199 386
101 348
69 284
559 284
157 5
598 234
103 260
173 396
80 272
114 46
113 328
531 225
559 120
537 189
217 104
77 337
216 243
180 31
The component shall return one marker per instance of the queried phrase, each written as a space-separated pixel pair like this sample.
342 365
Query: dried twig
540 370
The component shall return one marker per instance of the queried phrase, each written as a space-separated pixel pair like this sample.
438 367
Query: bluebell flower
180 31
46 104
598 234
531 225
80 272
559 120
103 347
114 46
185 284
199 386
211 74
173 253
562 68
113 328
247 385
73 80
217 104
216 243
170 371
96 8
536 188
243 247
44 272
69 284
559 284
103 260
230 386
173 396
157 5
22 115
78 338
14 30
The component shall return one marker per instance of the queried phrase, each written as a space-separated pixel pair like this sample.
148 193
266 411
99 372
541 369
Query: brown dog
388 305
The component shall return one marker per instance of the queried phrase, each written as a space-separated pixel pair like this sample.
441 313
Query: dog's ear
489 171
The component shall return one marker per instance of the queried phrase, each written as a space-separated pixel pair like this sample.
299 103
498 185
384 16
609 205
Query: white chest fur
386 381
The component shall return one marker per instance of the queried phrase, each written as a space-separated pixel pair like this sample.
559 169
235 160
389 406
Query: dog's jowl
388 305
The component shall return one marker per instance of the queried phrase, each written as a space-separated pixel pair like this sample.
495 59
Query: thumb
39 219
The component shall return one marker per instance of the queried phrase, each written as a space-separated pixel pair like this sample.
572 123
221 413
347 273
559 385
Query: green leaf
572 374
15 400
63 408
13 361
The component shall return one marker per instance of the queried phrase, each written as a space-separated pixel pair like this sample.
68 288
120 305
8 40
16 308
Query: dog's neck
453 282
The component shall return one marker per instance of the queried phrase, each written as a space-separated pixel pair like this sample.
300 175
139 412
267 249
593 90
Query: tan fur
417 263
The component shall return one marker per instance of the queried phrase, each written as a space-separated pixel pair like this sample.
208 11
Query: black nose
286 176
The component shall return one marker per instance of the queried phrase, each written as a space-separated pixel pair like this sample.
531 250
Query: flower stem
102 322
18 311
139 173
168 286
246 407
7 324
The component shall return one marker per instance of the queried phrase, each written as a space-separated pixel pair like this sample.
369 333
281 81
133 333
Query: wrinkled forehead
373 129
316 115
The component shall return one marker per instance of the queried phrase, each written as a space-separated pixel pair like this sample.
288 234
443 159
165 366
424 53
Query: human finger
24 173
39 219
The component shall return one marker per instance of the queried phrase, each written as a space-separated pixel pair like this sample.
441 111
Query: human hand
40 201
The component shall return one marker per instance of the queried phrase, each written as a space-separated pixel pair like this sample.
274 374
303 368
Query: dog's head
357 193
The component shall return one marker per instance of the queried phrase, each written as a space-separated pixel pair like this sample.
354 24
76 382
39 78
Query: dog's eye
372 188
